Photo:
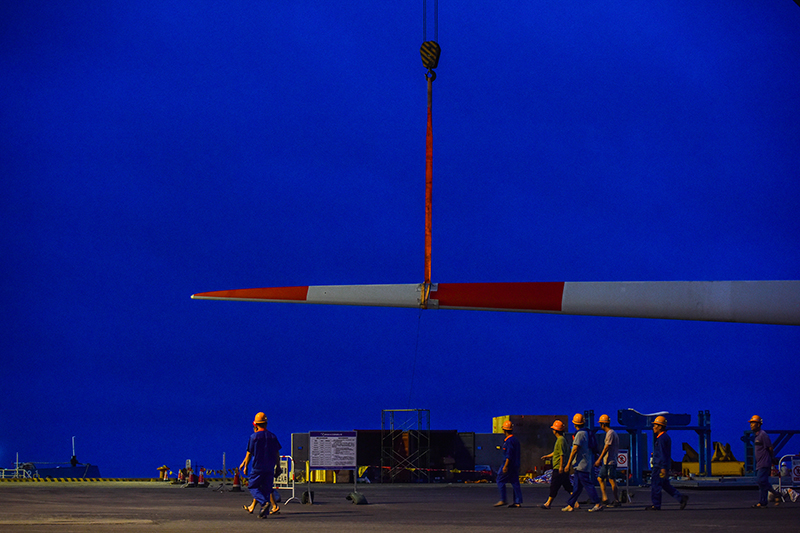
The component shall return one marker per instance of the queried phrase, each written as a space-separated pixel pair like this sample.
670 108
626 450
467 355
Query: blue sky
149 152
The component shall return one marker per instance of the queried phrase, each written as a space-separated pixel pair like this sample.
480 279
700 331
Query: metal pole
709 442
628 479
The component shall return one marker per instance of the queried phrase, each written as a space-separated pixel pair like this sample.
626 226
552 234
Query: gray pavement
153 506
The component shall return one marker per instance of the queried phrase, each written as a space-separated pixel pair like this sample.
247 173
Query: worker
509 471
662 464
765 457
581 459
608 460
263 450
560 475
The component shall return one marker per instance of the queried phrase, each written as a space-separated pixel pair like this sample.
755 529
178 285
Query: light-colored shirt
582 456
612 441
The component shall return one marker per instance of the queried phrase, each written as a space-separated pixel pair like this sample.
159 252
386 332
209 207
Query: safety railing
18 473
792 470
286 479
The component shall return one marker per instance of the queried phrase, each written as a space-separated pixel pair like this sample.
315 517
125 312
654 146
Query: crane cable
435 20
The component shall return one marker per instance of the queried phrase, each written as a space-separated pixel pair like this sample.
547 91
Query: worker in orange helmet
509 472
607 461
560 476
582 457
662 464
765 457
263 451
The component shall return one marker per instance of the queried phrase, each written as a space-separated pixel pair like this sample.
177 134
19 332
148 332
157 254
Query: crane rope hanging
425 20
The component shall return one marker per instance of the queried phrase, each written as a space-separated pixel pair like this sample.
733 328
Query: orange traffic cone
237 483
202 481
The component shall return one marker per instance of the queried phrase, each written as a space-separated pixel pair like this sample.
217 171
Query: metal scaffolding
405 444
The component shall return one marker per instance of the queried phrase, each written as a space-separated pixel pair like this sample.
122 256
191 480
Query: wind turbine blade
407 295
758 302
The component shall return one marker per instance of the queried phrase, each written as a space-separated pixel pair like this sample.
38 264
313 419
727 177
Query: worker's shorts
608 471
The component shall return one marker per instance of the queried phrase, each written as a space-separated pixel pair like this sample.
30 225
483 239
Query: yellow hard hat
661 421
558 425
756 418
261 418
507 425
577 419
604 419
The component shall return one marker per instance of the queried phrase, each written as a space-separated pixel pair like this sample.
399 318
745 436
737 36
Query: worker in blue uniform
263 451
765 457
662 463
509 471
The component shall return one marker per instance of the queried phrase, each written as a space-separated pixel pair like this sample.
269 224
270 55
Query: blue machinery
639 427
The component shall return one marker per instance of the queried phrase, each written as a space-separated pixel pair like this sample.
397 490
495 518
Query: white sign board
622 460
332 450
795 471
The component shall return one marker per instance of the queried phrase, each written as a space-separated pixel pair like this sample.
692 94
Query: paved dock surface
154 506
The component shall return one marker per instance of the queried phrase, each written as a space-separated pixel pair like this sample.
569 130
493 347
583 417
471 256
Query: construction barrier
792 462
286 479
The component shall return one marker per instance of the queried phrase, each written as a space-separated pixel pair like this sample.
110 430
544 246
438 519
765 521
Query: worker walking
662 464
765 457
560 475
581 458
263 450
608 459
509 471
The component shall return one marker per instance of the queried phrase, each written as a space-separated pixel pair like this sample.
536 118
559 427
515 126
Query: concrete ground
154 506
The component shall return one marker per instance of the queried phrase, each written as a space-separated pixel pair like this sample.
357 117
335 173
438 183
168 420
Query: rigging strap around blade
430 52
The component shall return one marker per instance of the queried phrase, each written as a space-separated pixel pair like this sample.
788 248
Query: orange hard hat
604 419
577 419
507 425
261 418
756 418
558 425
661 421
